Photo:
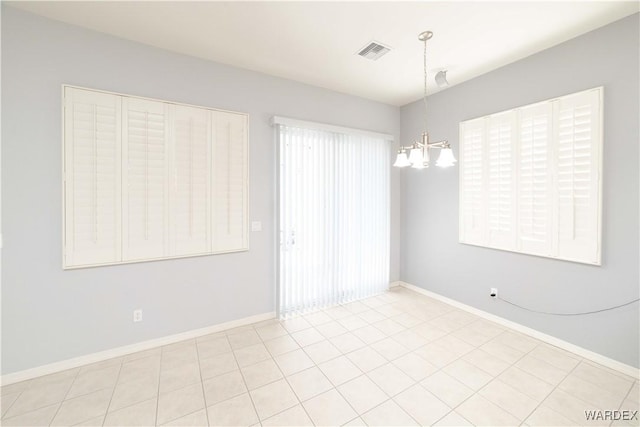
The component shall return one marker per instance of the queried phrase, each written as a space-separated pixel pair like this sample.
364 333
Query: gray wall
431 256
50 315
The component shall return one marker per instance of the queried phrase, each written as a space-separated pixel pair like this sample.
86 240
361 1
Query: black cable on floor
568 314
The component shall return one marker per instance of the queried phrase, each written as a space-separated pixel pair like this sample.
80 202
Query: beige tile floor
396 359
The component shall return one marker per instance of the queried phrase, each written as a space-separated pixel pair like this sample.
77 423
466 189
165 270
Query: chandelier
417 155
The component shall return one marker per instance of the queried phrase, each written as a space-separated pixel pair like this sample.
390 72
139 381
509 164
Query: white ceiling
316 42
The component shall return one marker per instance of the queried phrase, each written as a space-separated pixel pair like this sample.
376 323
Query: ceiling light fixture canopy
419 151
441 78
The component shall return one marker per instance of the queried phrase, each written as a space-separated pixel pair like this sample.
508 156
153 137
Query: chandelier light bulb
415 157
402 160
446 158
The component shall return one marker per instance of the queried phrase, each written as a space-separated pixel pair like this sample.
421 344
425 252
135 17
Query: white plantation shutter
501 180
541 179
147 179
472 205
92 177
144 179
577 125
229 181
534 167
191 198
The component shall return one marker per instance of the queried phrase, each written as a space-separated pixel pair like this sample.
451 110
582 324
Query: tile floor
396 359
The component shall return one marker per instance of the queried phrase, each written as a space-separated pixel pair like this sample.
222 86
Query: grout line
104 417
15 400
347 400
30 385
364 374
75 377
243 379
626 396
341 355
551 392
475 392
292 389
204 399
182 388
532 374
95 391
158 393
449 413
392 398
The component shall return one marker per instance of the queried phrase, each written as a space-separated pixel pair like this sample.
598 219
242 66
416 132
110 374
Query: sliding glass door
334 216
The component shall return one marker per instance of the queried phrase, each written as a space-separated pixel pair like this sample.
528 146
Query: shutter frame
194 236
535 221
501 149
574 244
573 168
77 251
472 214
229 173
120 159
145 125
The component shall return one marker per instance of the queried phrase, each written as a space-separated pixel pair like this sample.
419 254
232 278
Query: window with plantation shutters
147 179
530 179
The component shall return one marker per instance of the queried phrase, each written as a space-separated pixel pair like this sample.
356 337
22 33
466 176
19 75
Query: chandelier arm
439 144
436 144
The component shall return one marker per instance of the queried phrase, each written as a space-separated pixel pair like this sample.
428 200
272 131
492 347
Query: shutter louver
92 178
471 177
500 180
145 174
534 180
229 181
191 196
578 161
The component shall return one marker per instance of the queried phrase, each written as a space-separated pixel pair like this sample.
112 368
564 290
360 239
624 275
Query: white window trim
279 120
598 143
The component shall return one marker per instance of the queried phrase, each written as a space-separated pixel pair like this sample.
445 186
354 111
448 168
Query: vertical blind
334 217
530 178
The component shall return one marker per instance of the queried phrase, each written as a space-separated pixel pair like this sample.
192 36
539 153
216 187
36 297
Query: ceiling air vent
373 51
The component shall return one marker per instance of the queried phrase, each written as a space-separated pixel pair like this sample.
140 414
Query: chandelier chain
424 63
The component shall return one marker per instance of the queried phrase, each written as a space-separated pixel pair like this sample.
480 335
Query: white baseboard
51 368
580 351
394 284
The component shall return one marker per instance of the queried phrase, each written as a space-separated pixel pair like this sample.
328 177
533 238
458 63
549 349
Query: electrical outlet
494 293
137 315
